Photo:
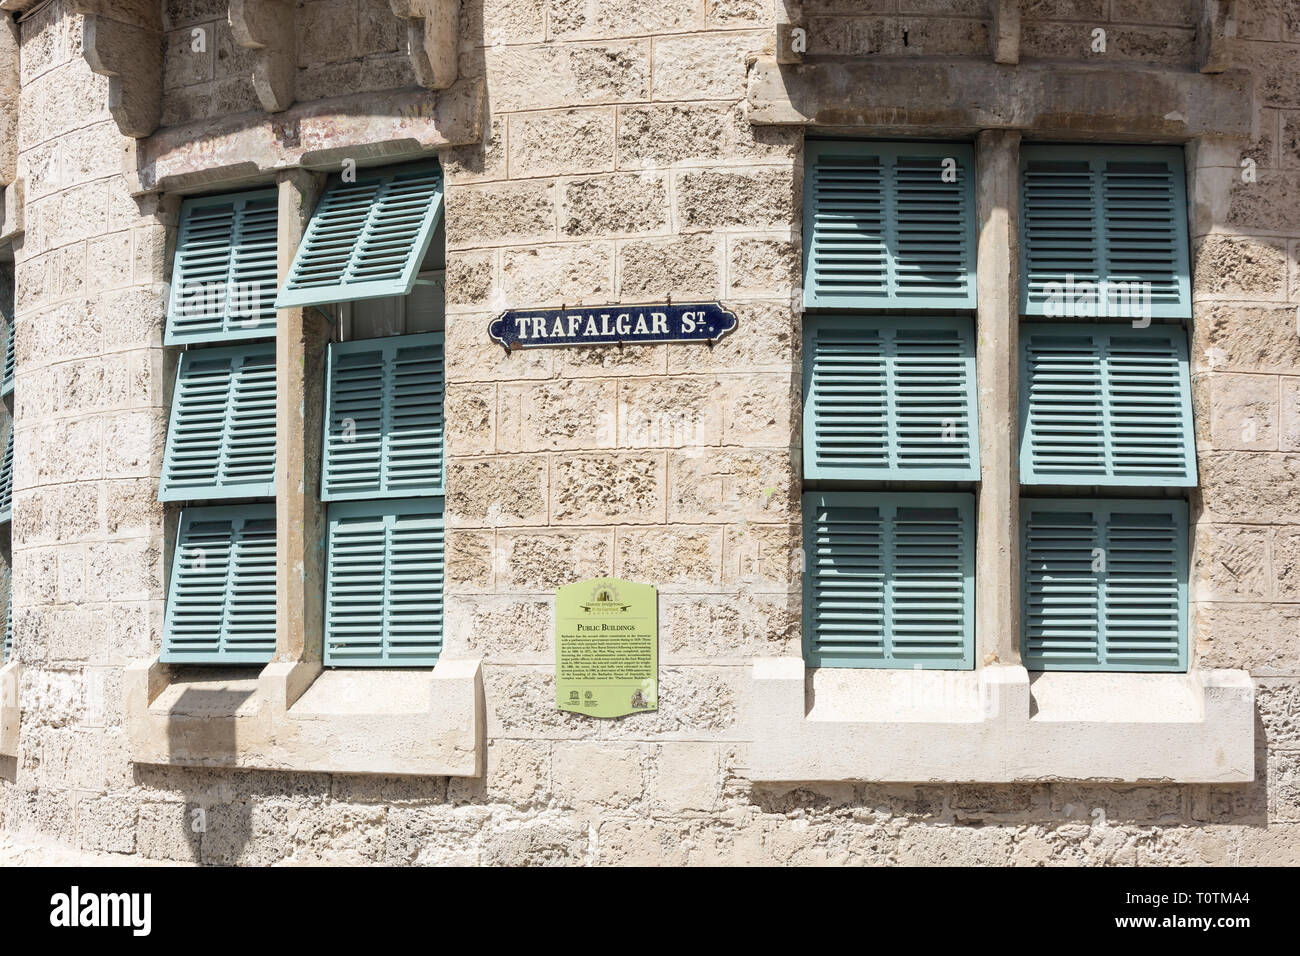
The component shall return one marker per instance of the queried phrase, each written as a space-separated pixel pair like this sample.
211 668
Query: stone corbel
1005 35
122 39
11 210
433 39
791 35
269 27
1214 35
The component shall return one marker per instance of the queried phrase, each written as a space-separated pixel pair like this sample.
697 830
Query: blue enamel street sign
609 324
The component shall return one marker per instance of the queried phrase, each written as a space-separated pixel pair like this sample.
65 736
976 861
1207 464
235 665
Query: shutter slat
221 437
1105 405
883 228
7 475
7 315
889 580
224 273
889 398
1104 214
1104 584
383 596
366 239
384 418
221 600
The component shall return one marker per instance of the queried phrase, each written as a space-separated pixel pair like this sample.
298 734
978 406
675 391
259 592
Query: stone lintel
295 716
912 96
433 39
369 128
997 725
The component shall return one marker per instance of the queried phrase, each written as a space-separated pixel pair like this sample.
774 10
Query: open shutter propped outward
1105 405
383 595
889 580
383 418
1103 232
889 225
366 238
889 398
1105 584
10 359
224 277
221 440
221 601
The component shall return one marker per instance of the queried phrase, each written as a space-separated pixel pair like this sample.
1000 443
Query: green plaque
606 648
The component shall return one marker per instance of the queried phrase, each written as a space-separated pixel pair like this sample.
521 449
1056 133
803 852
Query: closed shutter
221 440
1105 405
224 276
1105 585
889 224
383 418
1103 214
7 377
889 398
889 580
383 596
221 600
7 476
366 238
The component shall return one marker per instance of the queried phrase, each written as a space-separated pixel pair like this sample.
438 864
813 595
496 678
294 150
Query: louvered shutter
889 580
7 476
1104 214
889 224
221 440
383 595
889 398
1105 584
224 276
366 238
1105 405
7 378
383 418
221 599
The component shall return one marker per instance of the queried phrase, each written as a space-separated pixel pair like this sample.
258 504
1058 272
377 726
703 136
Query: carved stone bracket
432 34
1005 35
269 27
122 39
1214 35
791 35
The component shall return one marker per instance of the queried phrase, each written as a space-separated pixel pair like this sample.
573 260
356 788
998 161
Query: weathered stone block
1243 411
576 75
682 266
720 199
599 489
703 67
1250 487
1249 339
731 485
470 412
500 213
668 412
1257 637
502 628
470 560
562 142
687 777
568 274
624 204
603 775
1231 563
546 560
1249 268
555 415
489 492
687 558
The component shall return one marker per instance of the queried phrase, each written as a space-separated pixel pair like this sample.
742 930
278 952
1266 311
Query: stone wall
619 167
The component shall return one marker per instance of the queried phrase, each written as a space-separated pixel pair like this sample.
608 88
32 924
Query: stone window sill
999 725
10 675
301 717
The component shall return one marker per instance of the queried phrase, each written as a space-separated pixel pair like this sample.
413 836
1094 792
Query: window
221 434
1104 405
1103 232
372 257
889 577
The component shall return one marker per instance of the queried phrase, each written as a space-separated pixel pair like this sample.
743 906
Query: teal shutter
383 418
221 599
224 276
889 580
1105 405
7 378
884 228
367 238
383 592
889 398
1112 214
221 439
1105 584
7 478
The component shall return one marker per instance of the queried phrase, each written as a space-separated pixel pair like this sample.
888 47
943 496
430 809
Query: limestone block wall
619 167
